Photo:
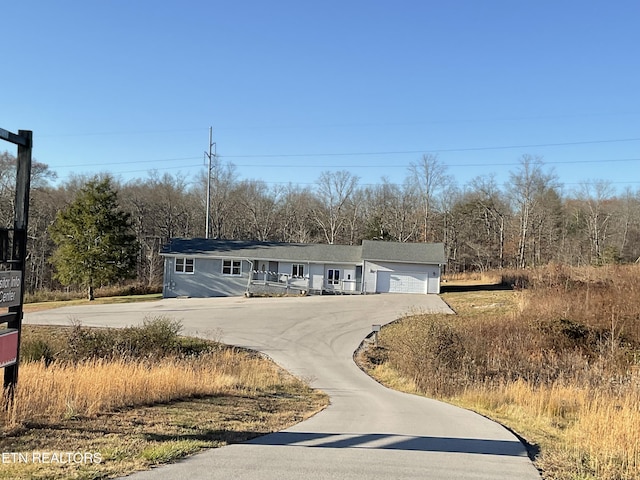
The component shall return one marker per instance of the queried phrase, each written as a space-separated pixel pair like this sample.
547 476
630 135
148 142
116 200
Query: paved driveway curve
367 432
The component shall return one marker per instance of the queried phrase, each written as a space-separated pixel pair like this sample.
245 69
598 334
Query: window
184 265
232 267
333 277
297 270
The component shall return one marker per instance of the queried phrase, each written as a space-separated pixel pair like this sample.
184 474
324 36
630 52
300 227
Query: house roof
403 252
301 252
426 253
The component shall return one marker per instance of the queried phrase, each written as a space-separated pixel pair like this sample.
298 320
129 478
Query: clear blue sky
129 86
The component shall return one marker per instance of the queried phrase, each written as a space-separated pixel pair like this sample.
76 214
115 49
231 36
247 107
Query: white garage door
401 282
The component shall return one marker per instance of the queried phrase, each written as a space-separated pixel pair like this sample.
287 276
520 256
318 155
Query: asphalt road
367 432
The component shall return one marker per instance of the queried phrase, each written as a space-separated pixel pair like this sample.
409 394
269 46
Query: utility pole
210 155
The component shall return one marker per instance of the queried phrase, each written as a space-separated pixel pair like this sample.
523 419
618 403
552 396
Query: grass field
45 305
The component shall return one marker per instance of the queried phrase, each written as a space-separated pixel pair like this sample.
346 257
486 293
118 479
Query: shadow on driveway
393 442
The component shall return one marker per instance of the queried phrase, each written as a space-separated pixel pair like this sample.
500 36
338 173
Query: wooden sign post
13 253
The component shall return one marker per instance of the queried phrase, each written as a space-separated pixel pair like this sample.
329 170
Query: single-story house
197 267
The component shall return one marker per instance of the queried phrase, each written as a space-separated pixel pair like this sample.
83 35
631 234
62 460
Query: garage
401 282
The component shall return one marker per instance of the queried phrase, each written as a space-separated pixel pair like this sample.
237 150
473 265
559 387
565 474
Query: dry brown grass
582 433
558 361
135 407
48 394
472 278
136 438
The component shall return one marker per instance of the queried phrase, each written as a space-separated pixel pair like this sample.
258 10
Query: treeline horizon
528 221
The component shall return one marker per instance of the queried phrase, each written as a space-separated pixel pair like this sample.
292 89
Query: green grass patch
171 451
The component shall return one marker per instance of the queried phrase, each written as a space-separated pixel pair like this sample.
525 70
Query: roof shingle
426 253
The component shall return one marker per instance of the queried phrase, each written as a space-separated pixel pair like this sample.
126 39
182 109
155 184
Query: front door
333 278
273 272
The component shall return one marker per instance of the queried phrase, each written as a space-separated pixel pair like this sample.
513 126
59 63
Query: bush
157 338
429 350
84 343
572 325
36 350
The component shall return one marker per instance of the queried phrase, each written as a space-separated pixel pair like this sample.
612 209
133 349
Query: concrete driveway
367 432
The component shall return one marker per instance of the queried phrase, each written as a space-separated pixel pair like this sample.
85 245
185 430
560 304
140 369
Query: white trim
298 267
232 266
185 261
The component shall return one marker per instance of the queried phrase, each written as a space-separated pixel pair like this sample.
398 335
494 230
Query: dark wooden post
19 253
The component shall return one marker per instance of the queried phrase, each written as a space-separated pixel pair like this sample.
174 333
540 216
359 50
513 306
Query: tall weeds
47 394
81 372
565 358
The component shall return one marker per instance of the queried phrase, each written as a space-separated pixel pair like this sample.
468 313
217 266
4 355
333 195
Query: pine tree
95 243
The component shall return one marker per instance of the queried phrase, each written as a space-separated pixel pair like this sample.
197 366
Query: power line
132 161
398 152
588 182
118 133
449 165
147 170
441 150
342 165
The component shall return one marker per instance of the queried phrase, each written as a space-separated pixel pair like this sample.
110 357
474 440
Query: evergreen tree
95 243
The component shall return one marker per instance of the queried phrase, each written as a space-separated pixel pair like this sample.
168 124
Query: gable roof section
250 250
424 253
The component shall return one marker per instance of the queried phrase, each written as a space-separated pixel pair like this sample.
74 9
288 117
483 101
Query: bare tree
161 207
355 216
405 216
41 175
334 191
547 224
596 198
389 212
628 225
295 218
41 214
260 205
429 177
526 187
495 212
446 203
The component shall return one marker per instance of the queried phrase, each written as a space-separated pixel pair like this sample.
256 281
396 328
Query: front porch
274 283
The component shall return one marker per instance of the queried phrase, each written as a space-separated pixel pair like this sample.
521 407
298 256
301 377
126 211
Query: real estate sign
10 288
8 347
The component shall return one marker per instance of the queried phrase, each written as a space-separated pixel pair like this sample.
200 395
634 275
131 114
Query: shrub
84 343
36 350
572 325
157 338
429 350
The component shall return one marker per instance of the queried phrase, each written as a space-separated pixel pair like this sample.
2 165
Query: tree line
530 220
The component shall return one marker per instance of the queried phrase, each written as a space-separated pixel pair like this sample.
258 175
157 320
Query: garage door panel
402 282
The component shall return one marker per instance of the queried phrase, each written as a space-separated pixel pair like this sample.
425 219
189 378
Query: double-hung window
297 270
333 276
232 267
184 265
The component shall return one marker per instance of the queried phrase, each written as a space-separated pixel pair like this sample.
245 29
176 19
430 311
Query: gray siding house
196 267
